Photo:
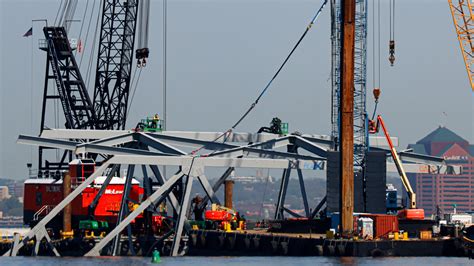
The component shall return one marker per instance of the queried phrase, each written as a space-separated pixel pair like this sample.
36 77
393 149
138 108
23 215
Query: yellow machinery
463 22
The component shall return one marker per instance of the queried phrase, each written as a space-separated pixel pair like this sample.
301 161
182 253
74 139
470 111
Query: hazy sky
222 52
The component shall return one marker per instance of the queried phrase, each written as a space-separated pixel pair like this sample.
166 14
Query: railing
45 209
43 44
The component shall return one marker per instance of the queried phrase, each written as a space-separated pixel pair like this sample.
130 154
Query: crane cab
80 169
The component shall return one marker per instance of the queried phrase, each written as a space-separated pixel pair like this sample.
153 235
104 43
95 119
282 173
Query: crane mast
360 77
462 13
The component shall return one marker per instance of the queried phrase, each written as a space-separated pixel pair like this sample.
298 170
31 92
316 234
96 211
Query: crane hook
391 48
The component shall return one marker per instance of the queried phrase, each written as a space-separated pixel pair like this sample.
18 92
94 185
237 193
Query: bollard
405 235
396 236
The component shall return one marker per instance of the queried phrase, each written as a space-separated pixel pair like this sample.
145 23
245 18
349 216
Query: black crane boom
114 63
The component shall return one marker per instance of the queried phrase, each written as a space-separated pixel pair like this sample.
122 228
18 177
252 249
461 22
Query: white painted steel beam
204 136
218 162
92 148
245 150
82 133
115 140
426 168
182 217
150 141
47 142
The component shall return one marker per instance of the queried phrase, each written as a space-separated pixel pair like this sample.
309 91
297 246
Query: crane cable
262 93
91 57
376 55
379 37
59 11
134 87
82 25
88 29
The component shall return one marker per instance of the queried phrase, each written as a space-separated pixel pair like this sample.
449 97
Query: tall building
444 191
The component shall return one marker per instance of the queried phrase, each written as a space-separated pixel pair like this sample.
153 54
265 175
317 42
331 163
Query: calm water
237 261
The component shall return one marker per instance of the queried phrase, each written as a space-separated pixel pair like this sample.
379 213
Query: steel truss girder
234 137
84 148
37 231
161 180
318 207
182 216
191 166
217 185
280 206
145 204
285 178
153 142
224 150
159 193
303 162
124 210
102 189
303 192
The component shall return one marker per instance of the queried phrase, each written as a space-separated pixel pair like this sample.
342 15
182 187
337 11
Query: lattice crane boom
463 19
114 63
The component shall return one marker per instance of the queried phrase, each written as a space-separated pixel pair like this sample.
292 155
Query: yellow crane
464 24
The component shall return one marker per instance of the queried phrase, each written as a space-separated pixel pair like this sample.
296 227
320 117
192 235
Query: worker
198 210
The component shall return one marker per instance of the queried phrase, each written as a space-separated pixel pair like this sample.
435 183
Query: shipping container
462 218
384 224
365 228
425 235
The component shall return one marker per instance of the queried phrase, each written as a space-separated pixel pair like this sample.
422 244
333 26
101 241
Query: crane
462 13
360 78
61 67
412 213
108 108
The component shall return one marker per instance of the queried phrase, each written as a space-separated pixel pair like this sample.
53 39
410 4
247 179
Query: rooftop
441 134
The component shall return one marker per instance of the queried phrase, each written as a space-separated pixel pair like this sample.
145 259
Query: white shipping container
365 228
461 218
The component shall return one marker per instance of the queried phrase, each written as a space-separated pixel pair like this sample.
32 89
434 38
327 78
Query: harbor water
234 261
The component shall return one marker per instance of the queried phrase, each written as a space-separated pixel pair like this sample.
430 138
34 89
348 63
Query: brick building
445 190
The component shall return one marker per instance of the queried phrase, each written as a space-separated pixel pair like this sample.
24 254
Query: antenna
444 117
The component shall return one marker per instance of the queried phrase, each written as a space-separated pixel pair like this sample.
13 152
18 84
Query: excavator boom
412 212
